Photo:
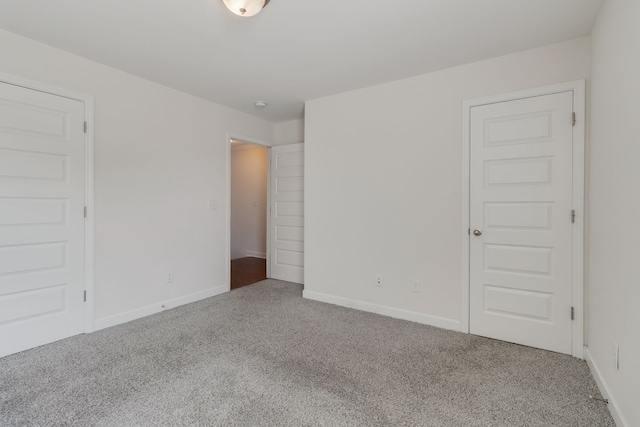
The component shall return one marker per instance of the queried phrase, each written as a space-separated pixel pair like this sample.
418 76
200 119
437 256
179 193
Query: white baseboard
148 310
604 390
412 316
253 254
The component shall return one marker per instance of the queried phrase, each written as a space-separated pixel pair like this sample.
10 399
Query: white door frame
87 100
268 145
577 286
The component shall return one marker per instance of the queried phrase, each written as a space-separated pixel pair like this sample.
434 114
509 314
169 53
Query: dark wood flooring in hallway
246 271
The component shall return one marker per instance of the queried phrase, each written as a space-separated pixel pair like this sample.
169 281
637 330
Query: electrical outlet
170 278
379 280
415 286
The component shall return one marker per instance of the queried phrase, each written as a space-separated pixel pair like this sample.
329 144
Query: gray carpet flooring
263 356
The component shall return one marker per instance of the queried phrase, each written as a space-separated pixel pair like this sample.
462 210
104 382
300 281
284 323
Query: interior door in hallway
287 212
42 185
521 221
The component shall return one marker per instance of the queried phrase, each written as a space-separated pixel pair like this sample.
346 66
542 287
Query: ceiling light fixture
260 105
245 8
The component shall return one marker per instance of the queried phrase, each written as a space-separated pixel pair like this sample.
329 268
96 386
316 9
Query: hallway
246 271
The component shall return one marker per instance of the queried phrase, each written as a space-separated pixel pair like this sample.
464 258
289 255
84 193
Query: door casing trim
87 100
578 88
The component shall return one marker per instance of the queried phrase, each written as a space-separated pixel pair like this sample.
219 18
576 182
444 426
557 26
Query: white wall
248 201
614 277
159 156
290 132
383 182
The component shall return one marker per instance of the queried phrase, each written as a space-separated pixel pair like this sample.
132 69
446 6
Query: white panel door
287 212
42 182
521 223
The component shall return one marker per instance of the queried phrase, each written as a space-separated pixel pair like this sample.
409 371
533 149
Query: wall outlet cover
415 286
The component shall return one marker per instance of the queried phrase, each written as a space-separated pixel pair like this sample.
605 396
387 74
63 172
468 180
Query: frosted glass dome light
245 8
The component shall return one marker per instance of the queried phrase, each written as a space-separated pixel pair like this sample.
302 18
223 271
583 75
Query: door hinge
85 211
573 119
573 216
469 231
85 296
85 127
573 312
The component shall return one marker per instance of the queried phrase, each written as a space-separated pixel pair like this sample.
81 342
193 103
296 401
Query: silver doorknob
477 232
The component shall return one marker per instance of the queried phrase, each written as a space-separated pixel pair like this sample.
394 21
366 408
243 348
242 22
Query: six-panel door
42 179
287 212
520 203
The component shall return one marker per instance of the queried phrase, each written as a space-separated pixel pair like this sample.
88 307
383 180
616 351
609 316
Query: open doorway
249 205
265 210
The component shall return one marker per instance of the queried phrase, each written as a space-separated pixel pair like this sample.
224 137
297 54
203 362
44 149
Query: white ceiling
294 50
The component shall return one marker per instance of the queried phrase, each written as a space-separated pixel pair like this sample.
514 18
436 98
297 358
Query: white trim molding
577 286
613 407
252 254
88 102
148 310
412 316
